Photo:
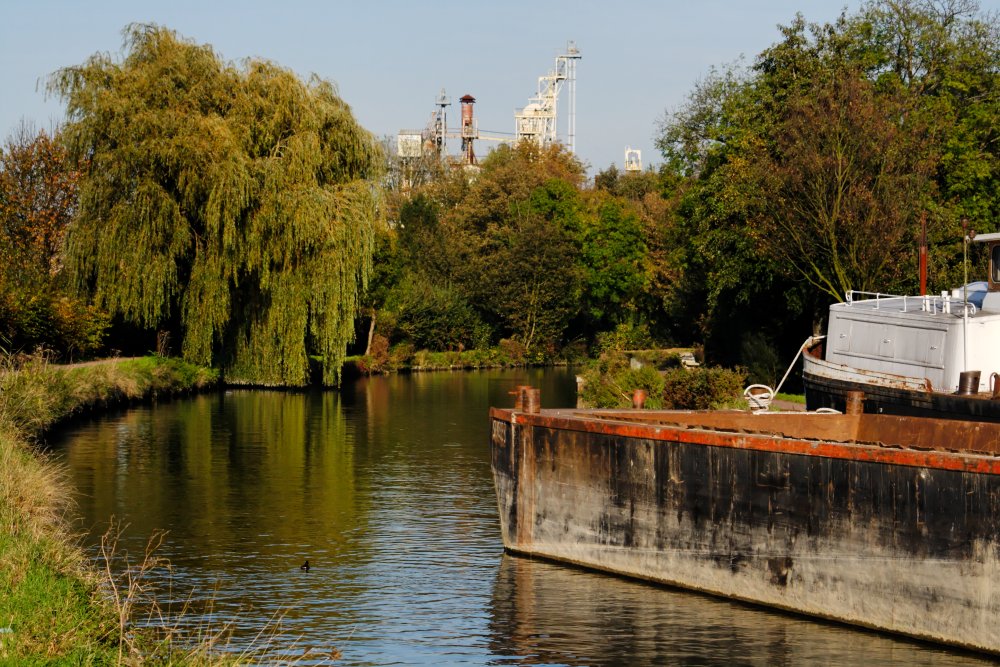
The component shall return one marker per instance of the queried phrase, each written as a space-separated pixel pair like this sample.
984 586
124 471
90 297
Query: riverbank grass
53 605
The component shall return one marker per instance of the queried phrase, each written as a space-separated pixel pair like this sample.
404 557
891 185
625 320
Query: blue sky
390 59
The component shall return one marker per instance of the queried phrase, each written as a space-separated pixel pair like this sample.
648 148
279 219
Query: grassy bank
54 606
403 357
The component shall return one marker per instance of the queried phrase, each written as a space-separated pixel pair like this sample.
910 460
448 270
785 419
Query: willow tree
234 203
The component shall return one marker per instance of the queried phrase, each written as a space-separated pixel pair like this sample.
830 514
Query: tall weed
54 606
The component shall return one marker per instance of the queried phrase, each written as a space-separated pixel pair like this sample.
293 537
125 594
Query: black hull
854 526
822 392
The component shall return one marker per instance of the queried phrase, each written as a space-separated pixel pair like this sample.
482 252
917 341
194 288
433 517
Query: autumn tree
236 205
38 198
38 195
849 177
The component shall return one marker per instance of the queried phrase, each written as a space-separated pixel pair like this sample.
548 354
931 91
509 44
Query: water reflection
385 487
544 613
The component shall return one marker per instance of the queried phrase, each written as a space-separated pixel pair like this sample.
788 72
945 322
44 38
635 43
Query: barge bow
886 522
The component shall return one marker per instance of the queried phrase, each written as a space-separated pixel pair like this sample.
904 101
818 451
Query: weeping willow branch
238 201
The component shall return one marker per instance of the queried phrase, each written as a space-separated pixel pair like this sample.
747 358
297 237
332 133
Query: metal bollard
855 403
638 398
532 400
518 394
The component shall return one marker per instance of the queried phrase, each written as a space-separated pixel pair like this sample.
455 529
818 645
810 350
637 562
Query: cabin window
995 264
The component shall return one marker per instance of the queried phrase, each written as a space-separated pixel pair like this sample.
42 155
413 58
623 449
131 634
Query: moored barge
924 356
887 522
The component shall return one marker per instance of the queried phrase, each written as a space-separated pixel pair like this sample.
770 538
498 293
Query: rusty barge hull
879 521
827 385
827 392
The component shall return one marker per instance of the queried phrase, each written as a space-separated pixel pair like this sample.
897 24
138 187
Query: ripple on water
385 487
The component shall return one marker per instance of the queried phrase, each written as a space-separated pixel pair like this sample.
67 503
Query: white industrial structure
633 159
439 124
538 122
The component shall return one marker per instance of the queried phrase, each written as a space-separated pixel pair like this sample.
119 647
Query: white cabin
929 337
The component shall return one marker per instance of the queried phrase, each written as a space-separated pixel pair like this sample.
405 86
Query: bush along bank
609 382
54 603
404 357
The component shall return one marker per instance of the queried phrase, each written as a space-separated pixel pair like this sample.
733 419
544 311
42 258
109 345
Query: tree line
245 213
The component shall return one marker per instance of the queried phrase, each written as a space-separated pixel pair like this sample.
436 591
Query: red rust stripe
761 442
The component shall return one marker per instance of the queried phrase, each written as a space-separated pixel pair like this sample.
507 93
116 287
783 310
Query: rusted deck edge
870 452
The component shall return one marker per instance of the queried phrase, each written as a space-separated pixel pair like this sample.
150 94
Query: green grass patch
52 608
49 612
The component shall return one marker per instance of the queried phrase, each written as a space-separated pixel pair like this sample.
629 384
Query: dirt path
96 362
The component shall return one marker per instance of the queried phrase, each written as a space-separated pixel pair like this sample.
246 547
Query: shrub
401 354
65 325
434 316
702 388
759 355
610 380
378 359
625 336
512 352
421 359
575 351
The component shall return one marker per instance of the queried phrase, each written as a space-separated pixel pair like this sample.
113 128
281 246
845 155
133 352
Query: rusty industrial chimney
468 128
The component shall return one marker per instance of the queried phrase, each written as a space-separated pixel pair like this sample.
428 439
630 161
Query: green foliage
37 201
610 381
787 180
625 336
513 352
517 257
50 612
529 282
702 388
238 201
434 316
806 173
630 185
30 320
848 182
385 359
762 361
425 243
534 256
613 261
35 394
510 250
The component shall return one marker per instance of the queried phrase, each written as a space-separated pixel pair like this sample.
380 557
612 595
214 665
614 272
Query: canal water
385 488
